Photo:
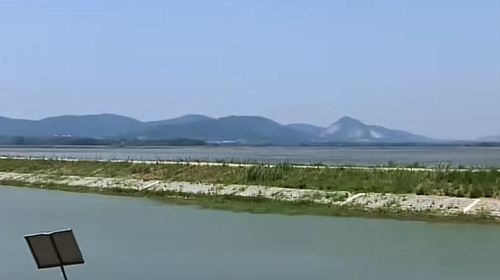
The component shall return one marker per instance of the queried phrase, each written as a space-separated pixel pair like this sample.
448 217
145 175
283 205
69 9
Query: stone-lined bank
392 203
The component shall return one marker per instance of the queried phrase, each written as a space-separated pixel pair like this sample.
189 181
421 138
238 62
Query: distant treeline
81 141
75 141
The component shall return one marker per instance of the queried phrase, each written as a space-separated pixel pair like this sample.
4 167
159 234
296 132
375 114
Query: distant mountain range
94 126
251 130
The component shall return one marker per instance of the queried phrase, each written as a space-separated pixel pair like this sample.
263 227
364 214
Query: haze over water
429 156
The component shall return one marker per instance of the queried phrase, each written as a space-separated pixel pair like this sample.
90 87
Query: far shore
409 167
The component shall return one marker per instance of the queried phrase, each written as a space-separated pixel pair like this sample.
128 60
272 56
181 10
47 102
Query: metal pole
63 273
59 257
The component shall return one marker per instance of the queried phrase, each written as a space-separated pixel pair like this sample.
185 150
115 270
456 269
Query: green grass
443 181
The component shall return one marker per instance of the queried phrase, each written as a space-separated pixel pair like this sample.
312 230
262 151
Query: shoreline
251 164
263 199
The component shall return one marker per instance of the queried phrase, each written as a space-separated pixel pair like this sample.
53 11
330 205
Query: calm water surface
132 238
472 156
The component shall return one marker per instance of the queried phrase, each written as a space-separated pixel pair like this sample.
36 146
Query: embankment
306 201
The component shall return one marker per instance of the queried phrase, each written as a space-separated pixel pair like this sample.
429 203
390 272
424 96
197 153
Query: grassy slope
442 182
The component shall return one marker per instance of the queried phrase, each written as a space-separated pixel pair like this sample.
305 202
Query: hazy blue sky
428 66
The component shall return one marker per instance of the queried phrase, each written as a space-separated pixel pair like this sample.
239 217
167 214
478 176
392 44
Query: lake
468 156
134 238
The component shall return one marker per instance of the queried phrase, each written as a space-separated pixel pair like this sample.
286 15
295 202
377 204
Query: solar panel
55 249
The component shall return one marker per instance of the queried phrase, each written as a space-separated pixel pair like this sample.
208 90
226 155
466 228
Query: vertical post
63 273
59 257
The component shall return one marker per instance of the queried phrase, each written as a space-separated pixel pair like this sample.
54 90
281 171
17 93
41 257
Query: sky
431 67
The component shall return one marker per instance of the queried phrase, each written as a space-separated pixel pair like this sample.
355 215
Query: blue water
133 238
